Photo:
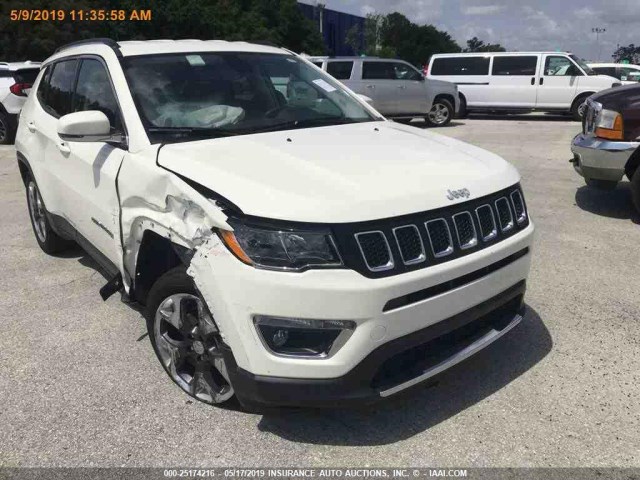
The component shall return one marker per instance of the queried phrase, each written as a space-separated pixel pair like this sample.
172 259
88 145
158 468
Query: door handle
541 80
402 86
32 127
533 80
370 86
64 148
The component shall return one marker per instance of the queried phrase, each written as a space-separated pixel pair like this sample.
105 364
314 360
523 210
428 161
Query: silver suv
397 89
16 80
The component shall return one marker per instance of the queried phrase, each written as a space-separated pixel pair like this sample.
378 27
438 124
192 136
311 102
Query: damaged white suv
290 246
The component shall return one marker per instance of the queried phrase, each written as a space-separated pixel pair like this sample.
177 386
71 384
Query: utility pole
598 31
320 8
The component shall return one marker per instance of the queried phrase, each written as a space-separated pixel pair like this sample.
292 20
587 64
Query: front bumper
385 310
393 367
601 159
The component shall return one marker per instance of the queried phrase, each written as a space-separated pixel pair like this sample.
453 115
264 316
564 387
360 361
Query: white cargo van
546 81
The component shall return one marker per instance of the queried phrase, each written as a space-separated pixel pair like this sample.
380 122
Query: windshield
587 69
221 94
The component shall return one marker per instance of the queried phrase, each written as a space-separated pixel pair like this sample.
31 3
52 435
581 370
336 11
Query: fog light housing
301 337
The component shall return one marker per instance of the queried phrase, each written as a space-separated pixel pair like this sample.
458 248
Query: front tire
186 339
440 114
48 240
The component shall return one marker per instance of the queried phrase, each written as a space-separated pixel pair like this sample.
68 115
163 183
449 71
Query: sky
520 25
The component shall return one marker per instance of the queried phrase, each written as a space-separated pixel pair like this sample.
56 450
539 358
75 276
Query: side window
378 71
460 66
628 74
403 71
43 87
557 66
317 64
514 66
607 71
340 70
58 100
94 92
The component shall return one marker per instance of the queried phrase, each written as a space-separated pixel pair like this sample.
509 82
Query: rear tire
577 107
462 112
48 240
440 114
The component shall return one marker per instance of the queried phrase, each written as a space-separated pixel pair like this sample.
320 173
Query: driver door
91 168
558 82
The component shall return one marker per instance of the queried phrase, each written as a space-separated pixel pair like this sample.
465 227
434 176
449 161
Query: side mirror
366 99
89 126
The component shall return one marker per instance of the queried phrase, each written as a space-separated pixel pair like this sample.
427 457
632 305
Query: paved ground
79 384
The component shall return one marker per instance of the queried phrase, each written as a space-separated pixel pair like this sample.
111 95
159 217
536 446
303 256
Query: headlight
281 249
609 125
301 337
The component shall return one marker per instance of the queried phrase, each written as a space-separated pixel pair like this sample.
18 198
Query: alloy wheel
188 344
37 212
438 114
582 108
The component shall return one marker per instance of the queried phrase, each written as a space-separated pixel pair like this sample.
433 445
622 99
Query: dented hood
343 173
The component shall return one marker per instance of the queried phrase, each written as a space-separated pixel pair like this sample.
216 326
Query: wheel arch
24 167
156 256
580 96
446 96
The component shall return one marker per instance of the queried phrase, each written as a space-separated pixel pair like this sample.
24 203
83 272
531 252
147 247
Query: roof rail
104 41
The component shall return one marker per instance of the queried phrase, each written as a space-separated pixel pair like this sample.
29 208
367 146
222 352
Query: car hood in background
343 173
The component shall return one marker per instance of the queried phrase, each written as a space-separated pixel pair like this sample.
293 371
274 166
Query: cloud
482 9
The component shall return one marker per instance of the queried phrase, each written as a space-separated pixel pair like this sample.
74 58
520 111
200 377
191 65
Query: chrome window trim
474 241
522 217
389 265
420 258
449 249
510 223
494 232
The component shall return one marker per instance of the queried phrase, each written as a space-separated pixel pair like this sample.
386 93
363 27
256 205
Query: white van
546 81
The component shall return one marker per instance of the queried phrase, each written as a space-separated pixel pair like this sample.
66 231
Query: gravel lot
80 385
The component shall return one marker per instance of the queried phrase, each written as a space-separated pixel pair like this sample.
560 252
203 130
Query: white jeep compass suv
290 246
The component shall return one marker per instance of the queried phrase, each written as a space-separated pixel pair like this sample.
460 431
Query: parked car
398 90
624 72
607 148
544 81
287 244
16 80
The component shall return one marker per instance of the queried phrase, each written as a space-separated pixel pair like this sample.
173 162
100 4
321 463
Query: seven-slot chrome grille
396 245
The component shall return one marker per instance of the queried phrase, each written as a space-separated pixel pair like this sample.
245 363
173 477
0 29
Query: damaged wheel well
156 256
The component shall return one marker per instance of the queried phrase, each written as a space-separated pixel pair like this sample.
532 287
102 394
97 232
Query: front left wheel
186 339
7 131
440 114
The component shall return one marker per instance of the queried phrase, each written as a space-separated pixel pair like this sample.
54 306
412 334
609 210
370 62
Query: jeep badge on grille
462 193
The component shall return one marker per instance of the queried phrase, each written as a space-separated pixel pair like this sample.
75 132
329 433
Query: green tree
414 43
630 53
353 38
476 45
278 21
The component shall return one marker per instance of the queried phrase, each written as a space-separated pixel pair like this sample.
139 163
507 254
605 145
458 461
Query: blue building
334 26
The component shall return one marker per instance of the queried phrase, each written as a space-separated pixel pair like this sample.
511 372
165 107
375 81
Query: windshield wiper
193 131
308 122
